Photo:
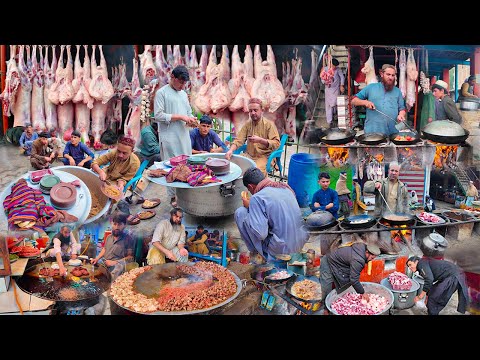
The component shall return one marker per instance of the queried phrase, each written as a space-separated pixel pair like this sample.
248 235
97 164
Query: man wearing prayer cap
262 136
39 158
445 108
123 163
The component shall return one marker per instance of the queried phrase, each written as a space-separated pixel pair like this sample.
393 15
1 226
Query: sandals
133 220
173 202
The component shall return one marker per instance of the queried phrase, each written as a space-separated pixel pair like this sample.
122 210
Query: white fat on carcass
412 75
100 87
38 103
369 69
21 108
132 126
62 91
402 80
12 83
148 71
241 83
51 121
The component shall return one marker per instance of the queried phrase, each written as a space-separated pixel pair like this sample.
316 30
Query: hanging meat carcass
163 69
51 121
123 89
100 87
199 76
241 83
297 94
21 108
402 80
177 56
82 99
132 122
12 82
328 72
38 103
148 72
412 75
62 91
266 86
369 69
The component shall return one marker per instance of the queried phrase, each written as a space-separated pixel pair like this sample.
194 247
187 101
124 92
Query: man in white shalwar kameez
174 114
333 90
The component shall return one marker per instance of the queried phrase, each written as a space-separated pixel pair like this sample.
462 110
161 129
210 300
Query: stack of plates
47 182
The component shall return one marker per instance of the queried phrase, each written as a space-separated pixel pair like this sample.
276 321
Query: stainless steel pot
469 105
434 244
218 200
93 183
403 299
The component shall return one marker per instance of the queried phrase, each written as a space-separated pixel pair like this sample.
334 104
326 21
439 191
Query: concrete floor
14 165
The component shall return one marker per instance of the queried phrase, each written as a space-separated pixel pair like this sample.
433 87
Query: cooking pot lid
444 128
63 193
319 218
439 239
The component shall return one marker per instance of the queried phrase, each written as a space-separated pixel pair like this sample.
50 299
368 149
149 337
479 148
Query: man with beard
262 136
123 163
168 240
63 243
118 247
385 97
174 114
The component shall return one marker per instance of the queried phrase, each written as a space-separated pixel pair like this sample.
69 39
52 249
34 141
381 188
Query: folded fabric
178 173
203 177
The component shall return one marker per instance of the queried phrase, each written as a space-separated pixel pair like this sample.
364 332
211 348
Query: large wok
337 136
372 139
359 222
295 279
445 131
412 134
393 218
320 220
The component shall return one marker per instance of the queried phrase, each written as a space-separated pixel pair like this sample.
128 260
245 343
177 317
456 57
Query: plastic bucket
303 171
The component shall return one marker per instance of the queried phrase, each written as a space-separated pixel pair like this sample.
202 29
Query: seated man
204 137
262 135
75 151
196 242
118 247
39 158
123 163
467 89
325 198
27 139
54 143
214 238
168 240
270 221
149 148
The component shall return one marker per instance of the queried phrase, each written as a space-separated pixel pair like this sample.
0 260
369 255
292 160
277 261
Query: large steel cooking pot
403 299
218 200
445 131
434 245
93 184
469 104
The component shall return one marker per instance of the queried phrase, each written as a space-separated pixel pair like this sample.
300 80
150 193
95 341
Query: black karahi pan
299 278
408 219
414 135
359 222
372 139
270 280
458 139
337 136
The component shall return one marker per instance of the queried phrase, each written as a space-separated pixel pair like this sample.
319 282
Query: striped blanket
25 204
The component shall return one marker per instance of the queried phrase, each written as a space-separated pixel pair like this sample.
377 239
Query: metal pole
3 55
456 82
349 90
416 92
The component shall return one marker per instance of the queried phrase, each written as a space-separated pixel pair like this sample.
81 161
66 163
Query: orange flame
338 156
441 154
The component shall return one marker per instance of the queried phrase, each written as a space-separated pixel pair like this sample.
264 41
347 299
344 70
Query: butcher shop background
117 54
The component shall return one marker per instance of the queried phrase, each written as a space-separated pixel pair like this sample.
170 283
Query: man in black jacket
448 277
343 266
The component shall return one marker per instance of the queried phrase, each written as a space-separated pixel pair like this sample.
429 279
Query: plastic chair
134 181
277 154
241 149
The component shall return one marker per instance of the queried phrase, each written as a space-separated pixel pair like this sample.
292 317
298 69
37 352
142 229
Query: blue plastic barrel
303 171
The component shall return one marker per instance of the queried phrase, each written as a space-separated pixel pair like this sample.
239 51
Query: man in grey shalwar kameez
333 90
174 114
270 221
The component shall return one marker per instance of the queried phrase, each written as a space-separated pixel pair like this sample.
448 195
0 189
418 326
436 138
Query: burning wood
337 157
445 156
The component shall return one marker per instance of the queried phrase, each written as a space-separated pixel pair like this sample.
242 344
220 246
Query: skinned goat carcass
99 113
297 94
51 120
38 105
148 72
62 91
66 116
132 126
186 57
12 83
240 84
412 75
163 69
177 56
266 86
82 99
369 69
220 93
21 108
402 79
100 87
202 99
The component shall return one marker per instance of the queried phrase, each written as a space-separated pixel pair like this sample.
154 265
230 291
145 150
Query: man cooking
393 190
262 136
168 240
385 97
204 137
343 266
63 243
442 279
118 248
270 221
123 163
466 91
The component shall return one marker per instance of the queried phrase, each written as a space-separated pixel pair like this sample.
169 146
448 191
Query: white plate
76 262
167 163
